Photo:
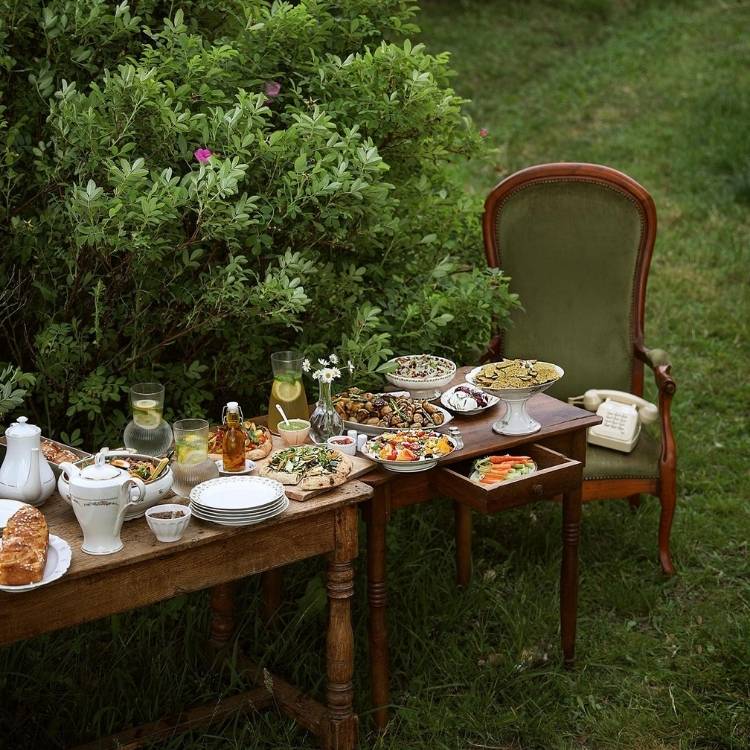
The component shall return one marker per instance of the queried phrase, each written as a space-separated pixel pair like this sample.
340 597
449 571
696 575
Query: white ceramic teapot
25 474
100 495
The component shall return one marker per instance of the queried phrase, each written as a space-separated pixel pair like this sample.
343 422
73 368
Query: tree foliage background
326 217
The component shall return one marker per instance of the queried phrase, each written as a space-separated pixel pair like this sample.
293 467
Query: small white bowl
168 529
343 444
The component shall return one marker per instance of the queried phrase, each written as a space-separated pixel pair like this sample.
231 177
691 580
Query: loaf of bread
23 553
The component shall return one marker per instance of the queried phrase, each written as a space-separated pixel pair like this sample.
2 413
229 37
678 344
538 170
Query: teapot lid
21 428
100 469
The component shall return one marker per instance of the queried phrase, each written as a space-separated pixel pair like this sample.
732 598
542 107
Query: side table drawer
555 474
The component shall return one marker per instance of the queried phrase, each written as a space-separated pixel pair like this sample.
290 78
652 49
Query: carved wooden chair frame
598 489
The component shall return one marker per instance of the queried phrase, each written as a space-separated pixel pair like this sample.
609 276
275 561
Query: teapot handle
135 487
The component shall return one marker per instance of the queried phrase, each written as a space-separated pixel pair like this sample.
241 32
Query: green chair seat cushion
642 463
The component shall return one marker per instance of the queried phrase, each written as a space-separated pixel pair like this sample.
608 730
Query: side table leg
271 583
571 531
222 614
463 543
341 733
376 518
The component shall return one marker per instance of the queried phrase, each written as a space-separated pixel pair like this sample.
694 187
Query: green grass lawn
661 91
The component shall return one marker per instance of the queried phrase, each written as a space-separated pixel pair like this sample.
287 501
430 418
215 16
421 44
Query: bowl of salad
409 450
420 372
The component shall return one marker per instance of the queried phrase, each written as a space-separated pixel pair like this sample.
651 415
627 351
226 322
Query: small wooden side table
559 449
209 556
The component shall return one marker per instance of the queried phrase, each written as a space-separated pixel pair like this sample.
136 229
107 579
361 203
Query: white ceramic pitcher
100 494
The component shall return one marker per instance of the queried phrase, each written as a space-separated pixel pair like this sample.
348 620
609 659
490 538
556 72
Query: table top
141 545
555 416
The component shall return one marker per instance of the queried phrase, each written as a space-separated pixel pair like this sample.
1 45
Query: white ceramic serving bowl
168 529
407 467
445 398
156 491
416 385
343 444
294 437
516 420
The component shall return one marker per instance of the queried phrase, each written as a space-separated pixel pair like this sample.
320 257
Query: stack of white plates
238 501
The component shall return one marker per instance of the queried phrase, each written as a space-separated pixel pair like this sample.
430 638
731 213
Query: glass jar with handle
287 389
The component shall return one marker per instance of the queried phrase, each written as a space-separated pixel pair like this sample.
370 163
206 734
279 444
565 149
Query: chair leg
634 501
463 543
668 499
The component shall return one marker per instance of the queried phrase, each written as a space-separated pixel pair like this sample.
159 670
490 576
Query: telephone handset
622 415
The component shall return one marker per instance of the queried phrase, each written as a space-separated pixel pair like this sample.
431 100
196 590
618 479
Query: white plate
218 518
58 562
237 513
409 467
227 522
8 508
491 400
369 429
249 466
237 493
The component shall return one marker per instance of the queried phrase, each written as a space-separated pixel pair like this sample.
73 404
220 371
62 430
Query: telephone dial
622 416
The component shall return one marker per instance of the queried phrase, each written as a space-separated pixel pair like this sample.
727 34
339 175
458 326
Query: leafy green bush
322 213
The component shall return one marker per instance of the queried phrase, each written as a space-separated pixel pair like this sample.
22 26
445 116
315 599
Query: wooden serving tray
360 466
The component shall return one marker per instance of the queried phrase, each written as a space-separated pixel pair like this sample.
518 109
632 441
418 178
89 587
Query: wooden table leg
376 516
571 531
222 614
463 543
341 732
271 583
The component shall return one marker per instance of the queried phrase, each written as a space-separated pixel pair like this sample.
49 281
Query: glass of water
191 464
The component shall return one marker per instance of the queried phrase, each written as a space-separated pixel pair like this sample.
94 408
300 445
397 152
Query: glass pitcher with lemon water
147 432
287 389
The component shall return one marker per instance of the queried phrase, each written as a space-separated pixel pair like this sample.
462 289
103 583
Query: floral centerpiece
325 421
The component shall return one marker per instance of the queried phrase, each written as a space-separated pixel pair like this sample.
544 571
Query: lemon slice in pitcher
287 391
146 413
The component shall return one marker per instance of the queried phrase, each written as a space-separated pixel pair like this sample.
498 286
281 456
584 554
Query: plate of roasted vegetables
497 469
376 413
409 450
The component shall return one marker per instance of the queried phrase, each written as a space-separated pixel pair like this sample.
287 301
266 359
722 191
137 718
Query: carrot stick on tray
496 469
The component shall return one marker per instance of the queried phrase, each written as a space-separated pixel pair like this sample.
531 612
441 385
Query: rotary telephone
622 415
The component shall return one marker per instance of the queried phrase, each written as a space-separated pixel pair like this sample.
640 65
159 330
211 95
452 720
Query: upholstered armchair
577 240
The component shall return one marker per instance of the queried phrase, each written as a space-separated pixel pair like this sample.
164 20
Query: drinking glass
191 464
147 432
287 389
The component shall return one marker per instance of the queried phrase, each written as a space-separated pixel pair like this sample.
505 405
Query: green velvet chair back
576 240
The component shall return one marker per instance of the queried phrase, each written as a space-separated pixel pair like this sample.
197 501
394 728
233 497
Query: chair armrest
658 360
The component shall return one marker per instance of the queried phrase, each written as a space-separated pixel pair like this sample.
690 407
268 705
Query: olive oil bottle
233 448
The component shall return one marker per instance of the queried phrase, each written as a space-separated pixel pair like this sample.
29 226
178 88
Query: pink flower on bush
272 89
203 155
483 133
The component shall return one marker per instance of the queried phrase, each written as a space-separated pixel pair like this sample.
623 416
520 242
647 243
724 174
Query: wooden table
147 571
559 448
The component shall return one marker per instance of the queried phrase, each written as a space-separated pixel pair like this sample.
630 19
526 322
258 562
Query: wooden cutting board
360 466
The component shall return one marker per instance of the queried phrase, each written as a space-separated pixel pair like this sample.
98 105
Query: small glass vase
325 421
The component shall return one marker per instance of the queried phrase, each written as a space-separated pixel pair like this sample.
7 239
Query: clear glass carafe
287 389
147 432
191 464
